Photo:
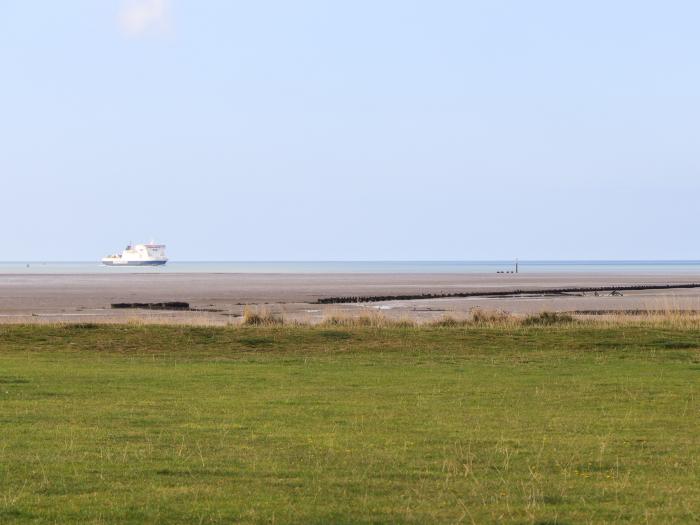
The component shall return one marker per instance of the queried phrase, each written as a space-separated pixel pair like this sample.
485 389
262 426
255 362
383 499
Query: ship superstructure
138 255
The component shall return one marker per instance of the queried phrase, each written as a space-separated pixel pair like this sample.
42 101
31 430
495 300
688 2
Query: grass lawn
560 424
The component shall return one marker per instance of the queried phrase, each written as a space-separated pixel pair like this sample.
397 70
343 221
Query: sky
350 130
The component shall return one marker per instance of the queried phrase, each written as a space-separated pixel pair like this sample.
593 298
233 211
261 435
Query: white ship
138 255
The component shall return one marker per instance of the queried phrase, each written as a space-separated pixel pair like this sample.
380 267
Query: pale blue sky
306 130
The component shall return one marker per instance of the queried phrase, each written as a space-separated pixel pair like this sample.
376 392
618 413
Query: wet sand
87 297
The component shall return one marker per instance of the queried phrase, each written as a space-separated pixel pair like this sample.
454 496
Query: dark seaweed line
501 293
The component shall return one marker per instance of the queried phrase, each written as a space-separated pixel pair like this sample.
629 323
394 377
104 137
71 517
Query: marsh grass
490 422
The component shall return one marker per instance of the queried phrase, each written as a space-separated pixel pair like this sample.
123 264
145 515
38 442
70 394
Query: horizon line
332 261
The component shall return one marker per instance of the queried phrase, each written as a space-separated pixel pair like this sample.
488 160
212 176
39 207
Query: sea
311 267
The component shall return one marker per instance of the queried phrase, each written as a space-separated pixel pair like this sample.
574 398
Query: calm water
359 267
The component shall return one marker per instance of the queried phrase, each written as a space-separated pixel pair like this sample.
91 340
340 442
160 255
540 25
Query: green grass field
560 424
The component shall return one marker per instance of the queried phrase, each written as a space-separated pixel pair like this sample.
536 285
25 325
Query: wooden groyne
169 305
503 293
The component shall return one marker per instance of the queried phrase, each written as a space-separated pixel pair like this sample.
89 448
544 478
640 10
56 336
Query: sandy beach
219 298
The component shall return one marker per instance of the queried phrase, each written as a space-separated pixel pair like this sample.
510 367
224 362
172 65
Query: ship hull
134 263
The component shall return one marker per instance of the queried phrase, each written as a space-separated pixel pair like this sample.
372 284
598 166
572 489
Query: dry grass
501 319
448 321
548 319
260 317
477 317
369 319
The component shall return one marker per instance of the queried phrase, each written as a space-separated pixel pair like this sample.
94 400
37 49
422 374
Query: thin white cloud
139 17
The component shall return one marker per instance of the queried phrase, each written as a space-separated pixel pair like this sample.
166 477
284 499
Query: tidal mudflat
219 298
